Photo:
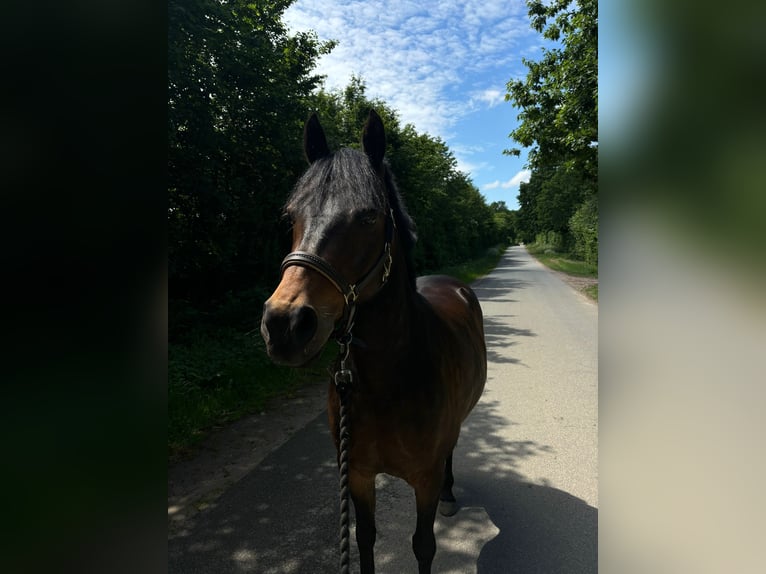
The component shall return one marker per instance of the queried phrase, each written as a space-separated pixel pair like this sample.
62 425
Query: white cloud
468 167
464 155
425 61
490 97
521 177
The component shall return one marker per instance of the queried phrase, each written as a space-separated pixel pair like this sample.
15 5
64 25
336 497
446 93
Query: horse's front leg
363 494
427 500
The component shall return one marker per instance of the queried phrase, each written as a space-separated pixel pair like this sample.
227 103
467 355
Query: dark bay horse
415 347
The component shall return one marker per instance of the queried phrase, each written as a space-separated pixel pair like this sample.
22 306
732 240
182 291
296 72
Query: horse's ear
374 139
314 141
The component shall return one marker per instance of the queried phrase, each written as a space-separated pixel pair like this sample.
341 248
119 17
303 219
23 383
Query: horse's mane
347 180
404 223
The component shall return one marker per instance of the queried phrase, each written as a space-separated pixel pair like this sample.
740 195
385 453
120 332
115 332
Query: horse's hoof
447 507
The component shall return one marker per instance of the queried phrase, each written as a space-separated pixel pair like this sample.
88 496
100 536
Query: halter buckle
351 296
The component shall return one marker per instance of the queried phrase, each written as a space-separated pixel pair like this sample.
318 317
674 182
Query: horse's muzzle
289 333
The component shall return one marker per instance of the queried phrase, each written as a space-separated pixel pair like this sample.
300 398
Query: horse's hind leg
363 494
447 502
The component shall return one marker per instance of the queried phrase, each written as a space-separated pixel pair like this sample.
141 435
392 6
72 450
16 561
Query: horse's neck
387 323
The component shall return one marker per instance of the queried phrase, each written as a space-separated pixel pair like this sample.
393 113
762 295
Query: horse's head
341 248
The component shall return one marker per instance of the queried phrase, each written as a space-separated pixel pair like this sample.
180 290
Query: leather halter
350 291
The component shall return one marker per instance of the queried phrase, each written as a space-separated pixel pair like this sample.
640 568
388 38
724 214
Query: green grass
563 263
216 376
566 264
592 292
474 269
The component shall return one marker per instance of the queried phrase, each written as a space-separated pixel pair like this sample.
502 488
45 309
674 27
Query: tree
238 85
584 227
559 115
505 222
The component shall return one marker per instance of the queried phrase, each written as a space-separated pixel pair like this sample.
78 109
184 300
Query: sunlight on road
461 538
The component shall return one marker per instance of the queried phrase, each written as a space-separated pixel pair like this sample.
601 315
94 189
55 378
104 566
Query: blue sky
443 65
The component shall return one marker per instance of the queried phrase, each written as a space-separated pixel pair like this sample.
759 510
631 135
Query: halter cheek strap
350 291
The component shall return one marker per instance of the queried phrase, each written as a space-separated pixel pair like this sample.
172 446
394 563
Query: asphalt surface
526 465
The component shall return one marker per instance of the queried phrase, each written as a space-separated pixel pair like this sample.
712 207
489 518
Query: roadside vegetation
470 271
217 376
557 217
547 249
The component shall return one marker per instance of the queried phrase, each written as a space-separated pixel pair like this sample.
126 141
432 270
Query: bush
584 228
549 241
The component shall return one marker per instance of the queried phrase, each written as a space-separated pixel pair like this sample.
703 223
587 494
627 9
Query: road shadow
497 286
493 289
505 524
282 517
497 290
511 259
540 528
499 335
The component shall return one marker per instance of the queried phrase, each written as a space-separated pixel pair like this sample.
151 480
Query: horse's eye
369 218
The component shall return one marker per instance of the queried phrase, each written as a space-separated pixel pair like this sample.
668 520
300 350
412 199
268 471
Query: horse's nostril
274 326
303 324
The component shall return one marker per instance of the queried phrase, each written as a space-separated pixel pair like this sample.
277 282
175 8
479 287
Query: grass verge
474 269
561 262
216 376
565 264
592 291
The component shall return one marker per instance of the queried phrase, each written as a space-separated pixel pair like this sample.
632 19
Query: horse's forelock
345 177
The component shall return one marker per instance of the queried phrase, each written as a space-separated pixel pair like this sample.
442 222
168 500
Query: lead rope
343 380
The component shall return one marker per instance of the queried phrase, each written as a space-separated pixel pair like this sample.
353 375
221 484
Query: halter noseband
350 291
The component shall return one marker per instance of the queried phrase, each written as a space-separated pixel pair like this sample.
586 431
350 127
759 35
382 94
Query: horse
413 350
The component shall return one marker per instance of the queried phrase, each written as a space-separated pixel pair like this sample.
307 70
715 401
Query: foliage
558 102
545 254
550 241
548 200
584 227
505 222
219 375
560 262
470 271
237 90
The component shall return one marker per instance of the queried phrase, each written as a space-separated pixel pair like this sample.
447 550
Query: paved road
525 468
